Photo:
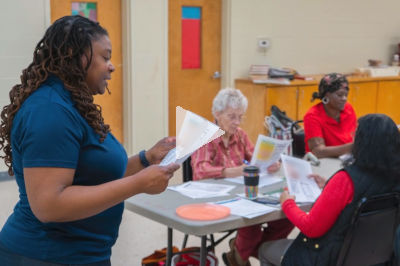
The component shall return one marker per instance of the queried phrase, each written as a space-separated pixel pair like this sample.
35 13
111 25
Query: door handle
216 75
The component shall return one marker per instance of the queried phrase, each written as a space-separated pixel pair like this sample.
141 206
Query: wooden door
388 99
109 16
192 85
362 96
304 100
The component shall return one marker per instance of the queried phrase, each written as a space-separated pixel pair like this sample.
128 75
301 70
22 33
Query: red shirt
318 124
336 195
210 160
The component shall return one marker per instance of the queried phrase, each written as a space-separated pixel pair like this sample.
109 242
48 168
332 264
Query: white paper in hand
299 184
192 131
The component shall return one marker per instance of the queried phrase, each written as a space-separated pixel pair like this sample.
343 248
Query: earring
325 100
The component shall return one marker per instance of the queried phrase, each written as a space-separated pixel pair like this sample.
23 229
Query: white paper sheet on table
197 190
265 180
246 208
193 131
299 184
267 151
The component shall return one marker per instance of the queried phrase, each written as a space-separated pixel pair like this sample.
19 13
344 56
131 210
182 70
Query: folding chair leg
212 240
185 241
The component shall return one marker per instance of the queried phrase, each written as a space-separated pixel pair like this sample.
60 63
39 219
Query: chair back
370 238
187 172
298 144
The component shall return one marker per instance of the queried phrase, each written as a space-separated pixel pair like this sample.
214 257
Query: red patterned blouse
210 160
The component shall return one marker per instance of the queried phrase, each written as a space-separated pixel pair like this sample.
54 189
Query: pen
227 201
246 162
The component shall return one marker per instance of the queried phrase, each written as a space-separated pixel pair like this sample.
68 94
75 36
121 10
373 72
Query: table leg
169 247
203 251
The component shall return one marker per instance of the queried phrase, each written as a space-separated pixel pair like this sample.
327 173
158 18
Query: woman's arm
53 198
202 163
318 148
154 155
325 211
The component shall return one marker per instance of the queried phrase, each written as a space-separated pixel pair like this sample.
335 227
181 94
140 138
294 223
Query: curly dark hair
58 53
376 146
330 83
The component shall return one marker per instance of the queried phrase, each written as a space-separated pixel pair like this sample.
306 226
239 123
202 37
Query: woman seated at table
374 169
224 157
330 125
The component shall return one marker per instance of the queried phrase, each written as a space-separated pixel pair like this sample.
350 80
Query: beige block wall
312 36
22 24
146 102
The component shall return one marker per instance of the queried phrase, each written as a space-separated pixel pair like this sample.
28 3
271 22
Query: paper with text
192 132
267 151
246 208
195 190
265 180
299 184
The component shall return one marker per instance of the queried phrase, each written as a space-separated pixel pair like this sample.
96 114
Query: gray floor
138 238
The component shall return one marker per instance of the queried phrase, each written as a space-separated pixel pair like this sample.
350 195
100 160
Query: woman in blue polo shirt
72 174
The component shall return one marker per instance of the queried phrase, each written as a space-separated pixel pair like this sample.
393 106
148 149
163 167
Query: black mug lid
251 169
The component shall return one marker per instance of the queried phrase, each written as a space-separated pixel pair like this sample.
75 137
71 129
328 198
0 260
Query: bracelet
143 159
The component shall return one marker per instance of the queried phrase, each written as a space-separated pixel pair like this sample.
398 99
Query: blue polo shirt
48 131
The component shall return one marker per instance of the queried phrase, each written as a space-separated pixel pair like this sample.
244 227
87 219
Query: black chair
188 176
371 236
298 144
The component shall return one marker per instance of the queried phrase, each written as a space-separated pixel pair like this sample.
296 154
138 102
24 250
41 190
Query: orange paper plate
203 211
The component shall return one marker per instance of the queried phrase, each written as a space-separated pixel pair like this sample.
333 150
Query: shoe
230 259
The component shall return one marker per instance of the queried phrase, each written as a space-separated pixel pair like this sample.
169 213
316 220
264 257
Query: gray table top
161 208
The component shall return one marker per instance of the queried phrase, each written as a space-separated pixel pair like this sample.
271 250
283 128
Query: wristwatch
143 159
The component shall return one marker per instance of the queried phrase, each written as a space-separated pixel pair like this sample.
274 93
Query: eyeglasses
233 117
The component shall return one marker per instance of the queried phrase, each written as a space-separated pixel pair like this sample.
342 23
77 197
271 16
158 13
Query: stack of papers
193 131
265 180
196 190
246 208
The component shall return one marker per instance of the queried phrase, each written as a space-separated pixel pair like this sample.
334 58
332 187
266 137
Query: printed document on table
299 184
267 151
192 132
265 180
195 189
246 208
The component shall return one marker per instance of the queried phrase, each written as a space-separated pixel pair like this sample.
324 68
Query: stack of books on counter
259 75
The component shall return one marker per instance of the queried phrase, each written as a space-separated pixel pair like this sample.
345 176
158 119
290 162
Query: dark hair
376 146
59 53
330 83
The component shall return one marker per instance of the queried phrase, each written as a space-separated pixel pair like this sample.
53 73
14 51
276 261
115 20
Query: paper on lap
193 131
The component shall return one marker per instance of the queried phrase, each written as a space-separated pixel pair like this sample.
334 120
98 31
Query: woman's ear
217 116
84 61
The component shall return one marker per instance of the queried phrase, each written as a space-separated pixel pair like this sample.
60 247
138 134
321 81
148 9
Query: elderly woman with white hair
224 157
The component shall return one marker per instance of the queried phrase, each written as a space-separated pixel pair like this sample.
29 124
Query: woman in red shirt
373 169
224 157
330 125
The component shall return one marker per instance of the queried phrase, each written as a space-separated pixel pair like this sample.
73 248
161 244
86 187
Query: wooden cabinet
304 95
282 96
362 96
388 99
253 122
367 95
